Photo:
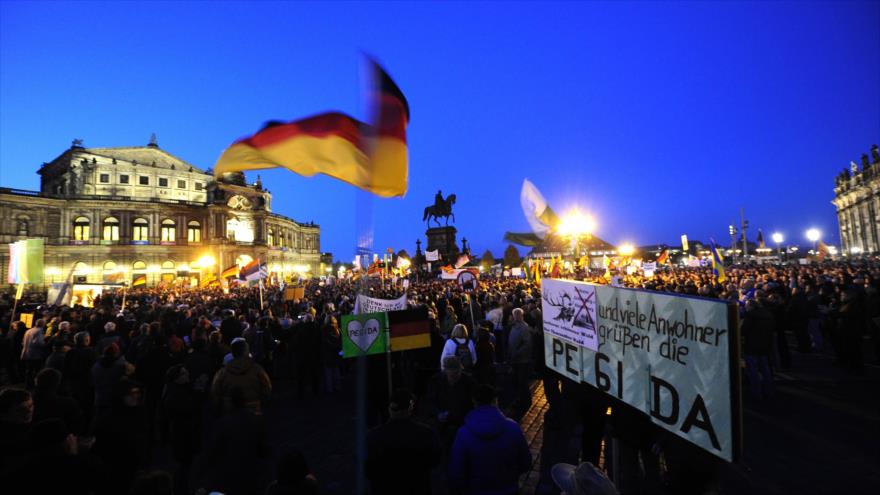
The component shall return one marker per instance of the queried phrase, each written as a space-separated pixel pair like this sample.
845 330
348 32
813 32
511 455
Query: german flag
409 329
139 280
663 257
371 157
232 271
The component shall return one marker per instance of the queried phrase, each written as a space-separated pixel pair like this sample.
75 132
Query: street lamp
575 224
626 250
813 236
777 238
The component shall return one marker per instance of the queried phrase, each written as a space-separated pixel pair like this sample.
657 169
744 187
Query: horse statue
441 208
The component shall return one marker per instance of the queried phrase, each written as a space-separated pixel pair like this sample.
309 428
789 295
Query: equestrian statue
440 208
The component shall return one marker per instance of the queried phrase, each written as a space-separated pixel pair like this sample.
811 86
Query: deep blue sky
659 118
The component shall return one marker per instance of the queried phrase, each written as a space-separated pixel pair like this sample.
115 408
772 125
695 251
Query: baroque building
857 199
112 214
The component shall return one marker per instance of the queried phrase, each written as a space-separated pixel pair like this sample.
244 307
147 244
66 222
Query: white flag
432 255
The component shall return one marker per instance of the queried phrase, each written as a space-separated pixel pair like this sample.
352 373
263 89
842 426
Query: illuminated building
857 198
110 214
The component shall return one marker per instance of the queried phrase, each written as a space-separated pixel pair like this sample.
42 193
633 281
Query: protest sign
674 358
649 266
569 309
364 334
366 304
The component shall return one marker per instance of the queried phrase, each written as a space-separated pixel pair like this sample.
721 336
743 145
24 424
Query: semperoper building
112 214
857 198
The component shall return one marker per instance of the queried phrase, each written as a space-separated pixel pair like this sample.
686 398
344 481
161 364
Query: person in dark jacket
16 420
490 451
850 328
77 374
243 376
122 437
235 454
453 393
402 452
307 351
294 476
757 332
48 404
107 372
331 346
181 422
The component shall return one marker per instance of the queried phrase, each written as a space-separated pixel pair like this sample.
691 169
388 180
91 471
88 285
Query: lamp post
813 236
575 224
777 238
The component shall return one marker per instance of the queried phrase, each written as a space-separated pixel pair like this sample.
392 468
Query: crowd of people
91 394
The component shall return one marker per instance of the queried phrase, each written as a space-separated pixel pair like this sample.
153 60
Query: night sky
659 119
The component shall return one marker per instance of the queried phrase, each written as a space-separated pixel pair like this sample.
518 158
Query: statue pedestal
443 240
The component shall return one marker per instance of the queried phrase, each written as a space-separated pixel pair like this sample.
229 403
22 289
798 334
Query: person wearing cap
402 452
583 479
490 451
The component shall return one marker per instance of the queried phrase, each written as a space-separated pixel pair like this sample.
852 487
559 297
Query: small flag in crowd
232 271
373 157
663 257
139 280
717 262
409 329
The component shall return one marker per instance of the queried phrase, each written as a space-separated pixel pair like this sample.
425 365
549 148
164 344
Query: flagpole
18 291
123 297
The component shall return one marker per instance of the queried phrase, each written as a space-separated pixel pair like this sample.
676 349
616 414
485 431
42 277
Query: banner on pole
364 334
365 304
667 356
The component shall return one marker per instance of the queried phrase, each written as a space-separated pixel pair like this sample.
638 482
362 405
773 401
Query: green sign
364 334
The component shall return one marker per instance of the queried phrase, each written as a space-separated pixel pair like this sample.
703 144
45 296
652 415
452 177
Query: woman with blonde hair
460 346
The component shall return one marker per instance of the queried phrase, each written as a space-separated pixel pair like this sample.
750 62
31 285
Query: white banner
649 266
569 309
365 304
432 255
667 356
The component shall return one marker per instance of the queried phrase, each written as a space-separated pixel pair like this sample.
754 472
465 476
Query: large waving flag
542 219
373 157
717 262
663 257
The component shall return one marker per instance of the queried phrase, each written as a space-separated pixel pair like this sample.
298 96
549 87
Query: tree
403 254
511 256
487 260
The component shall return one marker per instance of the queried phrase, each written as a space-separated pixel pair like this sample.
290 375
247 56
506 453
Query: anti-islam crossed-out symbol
583 307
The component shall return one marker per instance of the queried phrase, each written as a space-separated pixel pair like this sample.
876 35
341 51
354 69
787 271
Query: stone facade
113 213
857 199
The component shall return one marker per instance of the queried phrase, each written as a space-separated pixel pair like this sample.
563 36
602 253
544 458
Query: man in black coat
757 332
402 452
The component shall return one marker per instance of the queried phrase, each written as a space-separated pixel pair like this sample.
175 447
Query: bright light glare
855 250
813 235
625 250
574 223
207 261
777 237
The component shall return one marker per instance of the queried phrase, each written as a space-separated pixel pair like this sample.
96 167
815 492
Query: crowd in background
91 393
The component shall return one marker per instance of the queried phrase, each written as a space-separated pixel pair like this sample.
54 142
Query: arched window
270 237
169 230
81 229
138 266
22 228
111 229
193 232
168 265
109 266
80 268
281 235
140 230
